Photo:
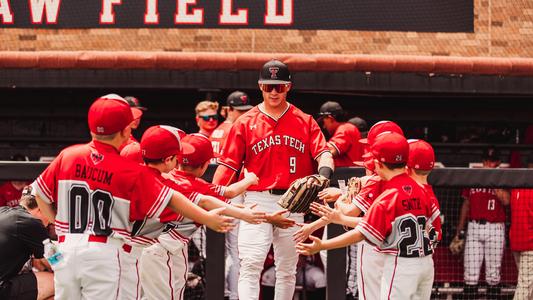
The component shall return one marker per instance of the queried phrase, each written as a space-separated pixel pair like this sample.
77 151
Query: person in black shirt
22 231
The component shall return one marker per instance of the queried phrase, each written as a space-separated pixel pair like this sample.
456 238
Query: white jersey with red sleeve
218 137
371 189
434 222
396 222
98 192
277 151
346 141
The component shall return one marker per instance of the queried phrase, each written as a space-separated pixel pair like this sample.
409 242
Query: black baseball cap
491 154
239 101
330 108
360 123
274 72
134 102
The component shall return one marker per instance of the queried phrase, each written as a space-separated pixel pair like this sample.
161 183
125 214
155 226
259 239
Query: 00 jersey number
90 209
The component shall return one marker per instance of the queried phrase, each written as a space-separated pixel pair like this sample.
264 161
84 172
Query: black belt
480 221
277 191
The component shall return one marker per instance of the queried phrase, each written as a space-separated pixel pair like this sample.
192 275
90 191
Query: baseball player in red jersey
485 235
344 142
137 111
238 103
164 264
97 194
421 162
395 223
279 143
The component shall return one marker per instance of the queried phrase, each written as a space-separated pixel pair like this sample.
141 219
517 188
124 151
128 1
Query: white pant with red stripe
254 243
484 241
91 269
406 278
130 280
164 273
369 271
232 257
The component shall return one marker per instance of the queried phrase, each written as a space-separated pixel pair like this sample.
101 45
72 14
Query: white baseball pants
130 279
407 278
164 273
369 271
254 243
232 258
91 269
484 241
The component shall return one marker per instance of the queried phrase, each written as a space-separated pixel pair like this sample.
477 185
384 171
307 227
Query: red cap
109 114
421 155
161 141
390 147
132 152
197 150
379 128
367 163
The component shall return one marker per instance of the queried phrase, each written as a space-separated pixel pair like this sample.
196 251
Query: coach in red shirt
344 137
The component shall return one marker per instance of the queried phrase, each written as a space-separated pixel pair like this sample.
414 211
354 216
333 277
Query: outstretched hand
330 194
253 216
277 219
218 222
309 249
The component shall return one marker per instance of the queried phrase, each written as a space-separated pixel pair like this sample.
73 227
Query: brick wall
502 29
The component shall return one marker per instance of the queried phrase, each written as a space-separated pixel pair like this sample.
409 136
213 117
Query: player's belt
277 191
480 221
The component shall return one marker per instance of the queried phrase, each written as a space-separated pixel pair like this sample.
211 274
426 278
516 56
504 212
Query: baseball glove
457 245
302 193
354 187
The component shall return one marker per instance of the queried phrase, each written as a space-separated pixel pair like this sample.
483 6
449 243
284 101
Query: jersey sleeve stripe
361 203
196 197
370 233
335 146
40 192
320 153
44 187
161 202
227 165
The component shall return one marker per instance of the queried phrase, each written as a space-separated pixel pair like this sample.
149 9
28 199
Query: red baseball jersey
218 137
346 141
521 232
277 151
371 189
484 205
434 223
9 195
96 191
396 222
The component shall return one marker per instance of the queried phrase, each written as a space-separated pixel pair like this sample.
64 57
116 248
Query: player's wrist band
325 171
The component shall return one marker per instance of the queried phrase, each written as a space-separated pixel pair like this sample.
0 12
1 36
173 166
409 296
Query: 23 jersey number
90 208
412 231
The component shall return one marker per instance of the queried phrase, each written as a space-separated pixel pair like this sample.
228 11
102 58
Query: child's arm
330 215
343 240
237 188
307 229
246 214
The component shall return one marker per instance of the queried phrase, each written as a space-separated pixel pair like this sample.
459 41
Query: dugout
458 104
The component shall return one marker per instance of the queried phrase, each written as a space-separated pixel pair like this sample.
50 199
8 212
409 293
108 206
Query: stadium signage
398 15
